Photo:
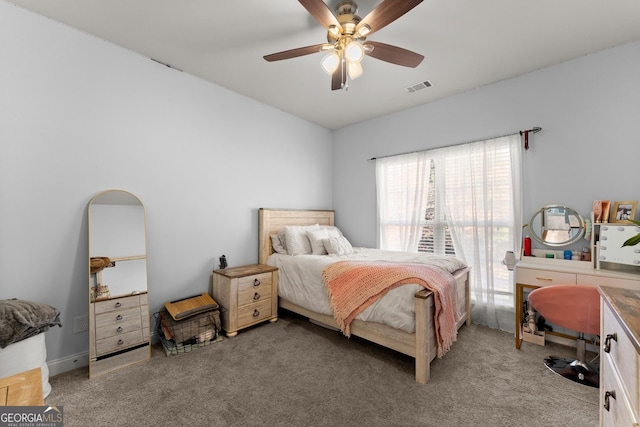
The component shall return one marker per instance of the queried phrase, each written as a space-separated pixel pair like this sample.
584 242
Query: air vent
422 85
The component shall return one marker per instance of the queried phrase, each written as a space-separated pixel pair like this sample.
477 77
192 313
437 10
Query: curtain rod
534 129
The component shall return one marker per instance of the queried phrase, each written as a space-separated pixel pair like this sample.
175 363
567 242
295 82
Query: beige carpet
294 373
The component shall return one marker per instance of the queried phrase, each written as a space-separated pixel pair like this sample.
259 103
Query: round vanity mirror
556 225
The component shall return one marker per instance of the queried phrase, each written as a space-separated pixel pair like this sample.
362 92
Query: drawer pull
119 329
119 317
545 279
607 395
120 342
118 305
256 313
256 296
607 343
256 283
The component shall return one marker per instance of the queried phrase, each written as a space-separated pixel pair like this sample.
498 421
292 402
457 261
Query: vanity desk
536 271
609 264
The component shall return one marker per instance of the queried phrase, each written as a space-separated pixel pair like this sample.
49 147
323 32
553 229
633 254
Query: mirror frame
104 354
538 237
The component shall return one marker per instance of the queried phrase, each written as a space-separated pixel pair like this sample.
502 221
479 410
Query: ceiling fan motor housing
346 16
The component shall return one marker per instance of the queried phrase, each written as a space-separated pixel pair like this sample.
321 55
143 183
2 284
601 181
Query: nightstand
247 295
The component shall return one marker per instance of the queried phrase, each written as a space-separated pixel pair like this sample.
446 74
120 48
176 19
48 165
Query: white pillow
332 230
317 236
296 240
315 239
277 244
338 246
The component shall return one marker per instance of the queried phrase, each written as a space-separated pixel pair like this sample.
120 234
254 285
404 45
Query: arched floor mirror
118 292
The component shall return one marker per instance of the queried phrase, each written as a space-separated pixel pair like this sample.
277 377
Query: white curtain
401 184
478 194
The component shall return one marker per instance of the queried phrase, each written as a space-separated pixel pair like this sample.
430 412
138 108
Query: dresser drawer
118 322
118 342
117 304
526 276
622 355
614 412
254 313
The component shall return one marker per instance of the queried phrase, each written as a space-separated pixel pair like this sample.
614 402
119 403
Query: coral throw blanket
355 285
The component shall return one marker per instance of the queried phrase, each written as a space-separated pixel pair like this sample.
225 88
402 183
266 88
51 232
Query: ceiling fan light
363 31
330 62
354 70
354 52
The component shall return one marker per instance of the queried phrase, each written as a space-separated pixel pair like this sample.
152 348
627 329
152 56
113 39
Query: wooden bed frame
419 345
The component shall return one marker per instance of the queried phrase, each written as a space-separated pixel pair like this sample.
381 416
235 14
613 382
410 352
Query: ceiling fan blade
393 54
319 10
385 13
293 53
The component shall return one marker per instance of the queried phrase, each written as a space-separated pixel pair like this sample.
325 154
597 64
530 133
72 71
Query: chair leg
578 370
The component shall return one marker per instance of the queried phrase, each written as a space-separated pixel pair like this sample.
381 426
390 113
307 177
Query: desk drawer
536 277
614 282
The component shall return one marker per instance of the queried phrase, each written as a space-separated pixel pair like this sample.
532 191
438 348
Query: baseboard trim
68 363
78 360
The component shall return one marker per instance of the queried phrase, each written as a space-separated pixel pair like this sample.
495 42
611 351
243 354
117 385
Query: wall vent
422 85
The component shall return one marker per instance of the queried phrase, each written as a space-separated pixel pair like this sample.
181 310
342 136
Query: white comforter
300 282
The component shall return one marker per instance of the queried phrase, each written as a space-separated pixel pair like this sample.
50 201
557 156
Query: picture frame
624 211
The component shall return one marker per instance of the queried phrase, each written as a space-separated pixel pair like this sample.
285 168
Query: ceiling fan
346 38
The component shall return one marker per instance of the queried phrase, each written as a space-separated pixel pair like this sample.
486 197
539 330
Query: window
464 201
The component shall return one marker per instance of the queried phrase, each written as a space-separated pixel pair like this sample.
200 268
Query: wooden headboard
273 220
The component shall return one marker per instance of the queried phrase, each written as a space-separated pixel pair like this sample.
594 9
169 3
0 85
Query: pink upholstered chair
576 308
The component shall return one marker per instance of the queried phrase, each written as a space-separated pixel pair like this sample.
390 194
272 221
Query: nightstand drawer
254 313
254 294
535 277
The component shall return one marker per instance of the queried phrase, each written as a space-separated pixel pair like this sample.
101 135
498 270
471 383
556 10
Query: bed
419 343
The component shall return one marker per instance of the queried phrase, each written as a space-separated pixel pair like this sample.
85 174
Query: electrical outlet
80 324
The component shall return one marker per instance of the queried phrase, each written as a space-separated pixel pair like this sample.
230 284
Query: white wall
79 115
589 148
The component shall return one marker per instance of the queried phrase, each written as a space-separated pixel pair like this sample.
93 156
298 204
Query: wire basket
189 334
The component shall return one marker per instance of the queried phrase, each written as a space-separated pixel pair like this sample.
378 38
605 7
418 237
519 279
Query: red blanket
355 285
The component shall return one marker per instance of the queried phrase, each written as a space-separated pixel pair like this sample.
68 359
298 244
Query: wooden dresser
620 357
121 330
247 295
534 272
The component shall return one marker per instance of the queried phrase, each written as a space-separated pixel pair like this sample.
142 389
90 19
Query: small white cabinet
620 357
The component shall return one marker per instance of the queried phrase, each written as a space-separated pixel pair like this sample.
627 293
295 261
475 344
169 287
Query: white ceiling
466 44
